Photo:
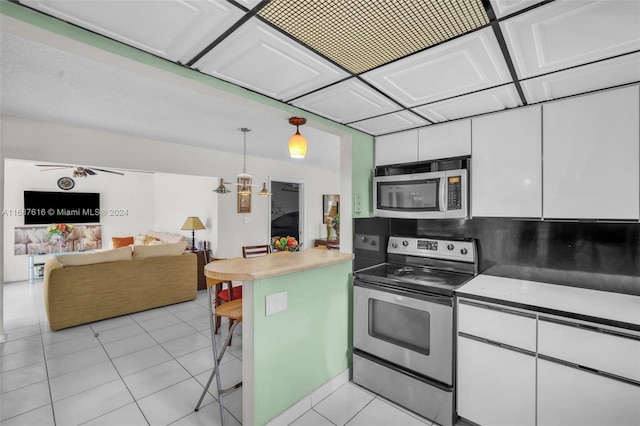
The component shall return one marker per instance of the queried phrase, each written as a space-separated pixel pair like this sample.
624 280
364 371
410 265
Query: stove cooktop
417 277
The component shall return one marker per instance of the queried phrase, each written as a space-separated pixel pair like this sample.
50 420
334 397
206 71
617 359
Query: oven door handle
433 298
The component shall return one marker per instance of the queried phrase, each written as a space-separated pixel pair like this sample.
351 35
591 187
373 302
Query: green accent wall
362 144
301 348
362 174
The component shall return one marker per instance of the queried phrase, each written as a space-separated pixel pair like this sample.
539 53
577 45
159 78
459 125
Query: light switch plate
276 303
357 203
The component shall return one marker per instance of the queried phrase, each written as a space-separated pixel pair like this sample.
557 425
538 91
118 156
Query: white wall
50 142
180 196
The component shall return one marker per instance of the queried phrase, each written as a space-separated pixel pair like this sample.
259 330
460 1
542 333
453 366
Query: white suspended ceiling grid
382 66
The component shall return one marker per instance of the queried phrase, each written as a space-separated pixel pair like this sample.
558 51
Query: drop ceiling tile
563 34
173 29
260 58
249 4
363 35
350 100
601 75
463 65
503 8
394 122
490 100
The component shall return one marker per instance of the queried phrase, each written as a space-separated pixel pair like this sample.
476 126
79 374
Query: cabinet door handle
494 343
590 328
496 308
588 370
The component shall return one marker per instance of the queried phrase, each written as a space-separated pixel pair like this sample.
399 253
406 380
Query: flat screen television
42 207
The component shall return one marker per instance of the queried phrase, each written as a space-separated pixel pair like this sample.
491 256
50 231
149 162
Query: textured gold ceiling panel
363 34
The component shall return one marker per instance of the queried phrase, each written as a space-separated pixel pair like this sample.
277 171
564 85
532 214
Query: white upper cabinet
445 140
590 162
507 164
397 148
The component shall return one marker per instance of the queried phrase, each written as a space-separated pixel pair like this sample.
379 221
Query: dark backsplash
601 256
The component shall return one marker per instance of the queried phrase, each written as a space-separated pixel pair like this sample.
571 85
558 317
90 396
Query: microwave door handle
443 194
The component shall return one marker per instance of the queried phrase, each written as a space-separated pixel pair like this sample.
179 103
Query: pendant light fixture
222 189
244 179
264 192
297 142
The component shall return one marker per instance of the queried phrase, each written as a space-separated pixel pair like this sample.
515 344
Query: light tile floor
147 368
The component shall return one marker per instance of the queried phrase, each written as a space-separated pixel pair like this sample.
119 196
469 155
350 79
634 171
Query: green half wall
299 349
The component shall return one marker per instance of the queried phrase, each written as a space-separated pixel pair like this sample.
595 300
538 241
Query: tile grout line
46 364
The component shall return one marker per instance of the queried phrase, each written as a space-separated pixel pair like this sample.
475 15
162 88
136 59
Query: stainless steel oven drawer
416 395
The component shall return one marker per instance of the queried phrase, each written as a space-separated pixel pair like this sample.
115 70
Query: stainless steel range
403 323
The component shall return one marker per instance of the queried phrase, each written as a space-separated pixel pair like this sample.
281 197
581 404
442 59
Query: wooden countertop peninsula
274 264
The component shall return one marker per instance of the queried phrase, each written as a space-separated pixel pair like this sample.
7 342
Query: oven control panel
436 248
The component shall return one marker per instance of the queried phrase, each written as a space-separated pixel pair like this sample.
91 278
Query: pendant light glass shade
297 146
264 192
297 142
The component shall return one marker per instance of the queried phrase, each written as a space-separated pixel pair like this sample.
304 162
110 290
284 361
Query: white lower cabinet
569 396
496 386
496 365
519 367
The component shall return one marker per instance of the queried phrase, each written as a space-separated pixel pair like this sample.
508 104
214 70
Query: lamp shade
192 223
297 146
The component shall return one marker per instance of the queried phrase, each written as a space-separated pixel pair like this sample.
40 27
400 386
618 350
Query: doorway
287 209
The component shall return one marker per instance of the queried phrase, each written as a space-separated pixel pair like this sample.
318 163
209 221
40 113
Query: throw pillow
149 239
166 237
115 255
118 242
145 252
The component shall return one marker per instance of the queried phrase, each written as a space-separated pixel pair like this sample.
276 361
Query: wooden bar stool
233 311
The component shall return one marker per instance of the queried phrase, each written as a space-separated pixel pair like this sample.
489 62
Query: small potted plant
335 222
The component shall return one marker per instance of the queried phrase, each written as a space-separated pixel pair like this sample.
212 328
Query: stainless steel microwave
427 195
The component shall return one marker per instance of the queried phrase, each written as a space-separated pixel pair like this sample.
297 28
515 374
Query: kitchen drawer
574 397
497 324
590 347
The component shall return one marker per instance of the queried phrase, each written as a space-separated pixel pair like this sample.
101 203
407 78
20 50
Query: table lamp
191 224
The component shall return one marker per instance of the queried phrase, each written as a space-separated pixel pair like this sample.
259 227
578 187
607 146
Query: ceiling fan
77 170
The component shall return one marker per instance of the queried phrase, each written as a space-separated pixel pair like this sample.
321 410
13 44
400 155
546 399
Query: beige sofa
83 288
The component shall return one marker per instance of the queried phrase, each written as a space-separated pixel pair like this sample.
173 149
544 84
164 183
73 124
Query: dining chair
255 251
222 294
233 311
